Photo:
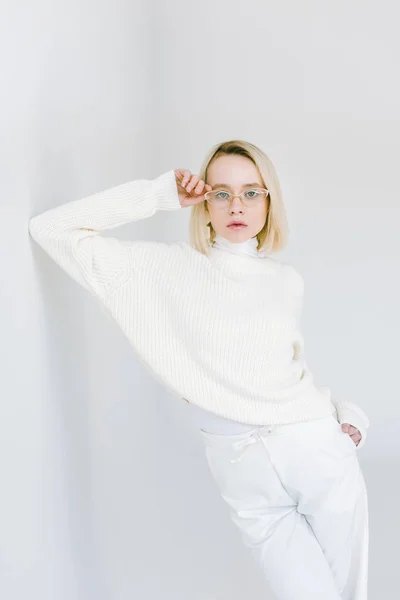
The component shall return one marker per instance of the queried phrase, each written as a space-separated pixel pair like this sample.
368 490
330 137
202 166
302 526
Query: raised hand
191 188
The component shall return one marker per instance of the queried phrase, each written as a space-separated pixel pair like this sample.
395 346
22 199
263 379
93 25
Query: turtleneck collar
248 247
241 259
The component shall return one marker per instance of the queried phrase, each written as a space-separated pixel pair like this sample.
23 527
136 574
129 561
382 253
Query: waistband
224 440
238 442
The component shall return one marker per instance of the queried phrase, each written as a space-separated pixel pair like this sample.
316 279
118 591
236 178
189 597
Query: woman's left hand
353 432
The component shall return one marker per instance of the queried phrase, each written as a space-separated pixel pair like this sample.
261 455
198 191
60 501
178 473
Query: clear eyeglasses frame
214 197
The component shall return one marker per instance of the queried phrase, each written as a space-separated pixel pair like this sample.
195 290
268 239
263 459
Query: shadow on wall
66 380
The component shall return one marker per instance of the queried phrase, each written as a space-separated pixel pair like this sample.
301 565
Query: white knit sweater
220 330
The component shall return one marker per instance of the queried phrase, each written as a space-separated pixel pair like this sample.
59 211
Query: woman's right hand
191 189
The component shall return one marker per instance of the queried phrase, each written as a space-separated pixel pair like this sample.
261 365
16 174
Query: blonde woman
217 321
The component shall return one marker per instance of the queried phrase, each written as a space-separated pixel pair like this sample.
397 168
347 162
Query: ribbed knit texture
219 330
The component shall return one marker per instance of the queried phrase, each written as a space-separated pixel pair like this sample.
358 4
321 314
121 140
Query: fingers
193 183
186 178
353 432
347 428
194 187
199 187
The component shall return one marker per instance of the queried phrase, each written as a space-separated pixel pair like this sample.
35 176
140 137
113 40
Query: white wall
105 493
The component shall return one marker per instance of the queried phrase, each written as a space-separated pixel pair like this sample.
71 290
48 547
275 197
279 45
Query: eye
255 192
217 194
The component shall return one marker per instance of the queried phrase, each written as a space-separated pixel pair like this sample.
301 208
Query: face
235 172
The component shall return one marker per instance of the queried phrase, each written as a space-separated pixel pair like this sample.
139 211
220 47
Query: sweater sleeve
348 412
71 233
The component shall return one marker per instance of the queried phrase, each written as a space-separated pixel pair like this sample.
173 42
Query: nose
236 206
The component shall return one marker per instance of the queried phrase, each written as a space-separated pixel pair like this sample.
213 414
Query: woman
216 321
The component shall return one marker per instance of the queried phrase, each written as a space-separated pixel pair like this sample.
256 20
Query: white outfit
220 330
298 496
207 420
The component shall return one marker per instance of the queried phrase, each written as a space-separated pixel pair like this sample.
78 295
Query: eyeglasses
221 198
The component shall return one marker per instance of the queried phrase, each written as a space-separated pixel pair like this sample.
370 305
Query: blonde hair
274 235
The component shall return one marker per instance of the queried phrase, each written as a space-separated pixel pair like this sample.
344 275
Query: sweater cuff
165 191
354 415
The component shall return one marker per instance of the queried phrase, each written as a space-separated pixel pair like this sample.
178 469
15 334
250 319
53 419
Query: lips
236 225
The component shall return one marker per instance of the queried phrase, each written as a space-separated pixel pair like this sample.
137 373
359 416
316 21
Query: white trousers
298 496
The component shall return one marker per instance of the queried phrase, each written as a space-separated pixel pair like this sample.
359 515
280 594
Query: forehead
234 171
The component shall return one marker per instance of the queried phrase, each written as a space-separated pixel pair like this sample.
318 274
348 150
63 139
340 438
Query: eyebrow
220 185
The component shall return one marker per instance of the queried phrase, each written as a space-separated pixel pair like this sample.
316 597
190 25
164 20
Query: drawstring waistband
253 438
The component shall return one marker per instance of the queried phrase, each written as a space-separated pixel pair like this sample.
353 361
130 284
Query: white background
105 493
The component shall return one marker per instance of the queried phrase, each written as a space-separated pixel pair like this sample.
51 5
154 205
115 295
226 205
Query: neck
248 247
